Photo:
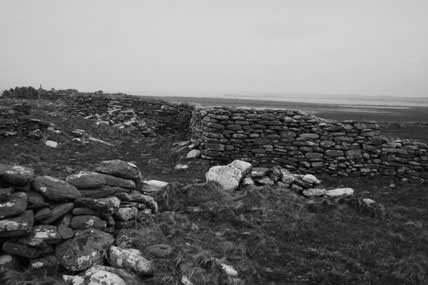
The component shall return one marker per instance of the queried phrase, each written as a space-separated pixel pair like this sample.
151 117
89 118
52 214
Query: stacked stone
303 143
49 221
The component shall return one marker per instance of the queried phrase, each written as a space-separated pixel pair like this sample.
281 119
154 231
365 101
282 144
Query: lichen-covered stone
86 249
15 205
131 259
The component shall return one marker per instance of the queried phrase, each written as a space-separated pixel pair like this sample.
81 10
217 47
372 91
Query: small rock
181 166
126 214
159 250
339 192
314 192
247 181
8 262
243 166
52 144
131 259
49 261
194 153
309 178
229 270
258 172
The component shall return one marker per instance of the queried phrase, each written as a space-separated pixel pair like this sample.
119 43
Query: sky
209 48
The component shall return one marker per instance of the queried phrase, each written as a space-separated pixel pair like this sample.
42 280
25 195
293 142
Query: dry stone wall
141 113
304 143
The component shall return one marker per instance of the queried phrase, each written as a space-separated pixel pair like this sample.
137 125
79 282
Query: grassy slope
268 235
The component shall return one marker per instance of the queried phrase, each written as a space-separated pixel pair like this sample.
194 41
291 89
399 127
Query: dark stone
16 175
36 200
55 189
23 250
57 212
87 222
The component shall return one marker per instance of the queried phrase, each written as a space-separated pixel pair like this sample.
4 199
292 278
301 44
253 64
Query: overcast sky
191 47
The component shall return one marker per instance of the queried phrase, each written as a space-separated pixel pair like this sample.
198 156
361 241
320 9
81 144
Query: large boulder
121 169
16 175
17 226
228 177
15 205
55 189
89 180
86 249
131 259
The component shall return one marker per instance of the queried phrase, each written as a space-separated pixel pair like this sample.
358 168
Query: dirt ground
267 234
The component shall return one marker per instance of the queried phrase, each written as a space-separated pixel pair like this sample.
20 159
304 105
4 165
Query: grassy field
267 234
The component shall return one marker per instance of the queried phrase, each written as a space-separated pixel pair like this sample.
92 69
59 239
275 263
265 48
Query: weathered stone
36 200
314 192
136 196
49 261
103 192
8 262
41 234
259 172
311 179
88 180
15 205
108 205
228 177
17 226
152 186
15 174
131 259
159 250
194 153
42 214
55 189
57 212
86 249
87 222
23 250
339 192
243 166
120 168
126 214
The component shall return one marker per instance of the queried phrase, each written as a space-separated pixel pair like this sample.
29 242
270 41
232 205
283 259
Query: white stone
53 144
227 176
338 192
229 270
74 279
194 153
130 258
314 192
185 280
181 166
126 214
309 178
369 201
243 166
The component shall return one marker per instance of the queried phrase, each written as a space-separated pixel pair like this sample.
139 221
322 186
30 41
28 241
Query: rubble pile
72 223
